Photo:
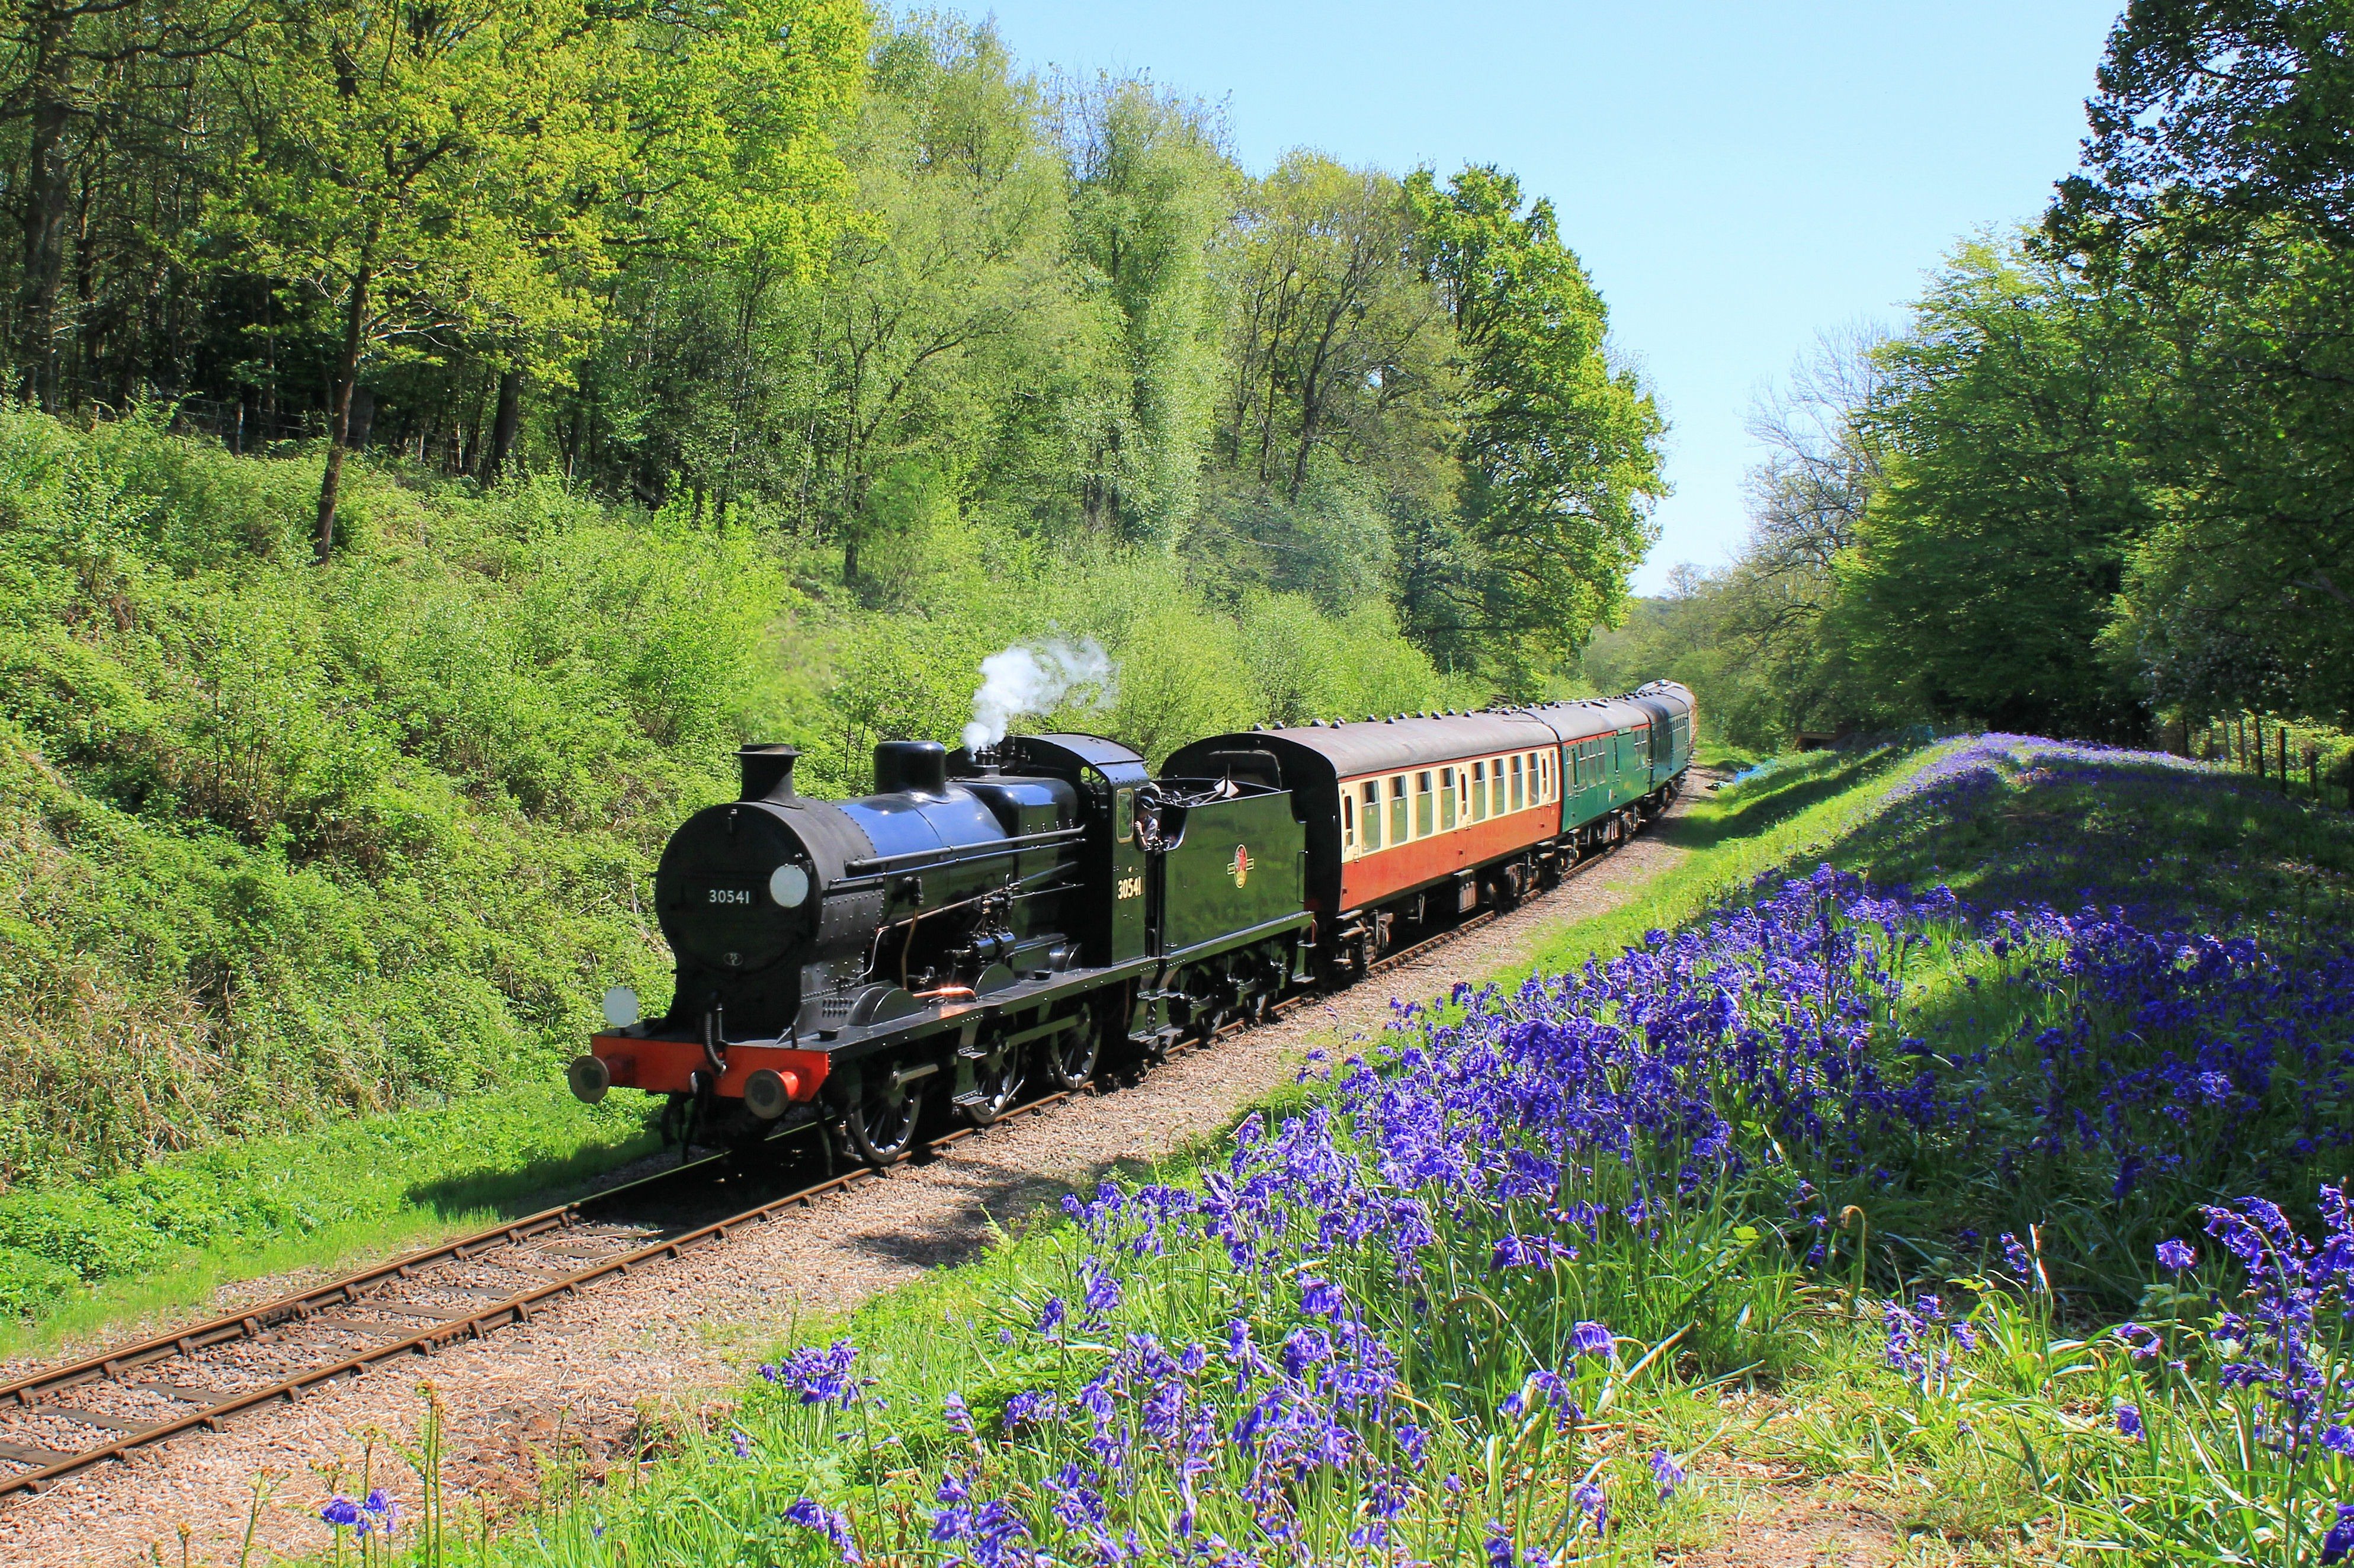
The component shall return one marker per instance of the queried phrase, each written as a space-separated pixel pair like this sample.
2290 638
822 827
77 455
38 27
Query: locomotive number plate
731 896
1132 887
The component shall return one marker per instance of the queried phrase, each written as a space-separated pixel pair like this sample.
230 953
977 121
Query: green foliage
1988 561
283 843
854 276
1560 445
2104 478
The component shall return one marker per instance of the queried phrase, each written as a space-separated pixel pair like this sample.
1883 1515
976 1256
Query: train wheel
996 1081
882 1127
1071 1056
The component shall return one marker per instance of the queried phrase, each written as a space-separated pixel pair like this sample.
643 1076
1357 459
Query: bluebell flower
342 1512
2175 1256
1666 1472
2340 1538
2129 1421
810 1514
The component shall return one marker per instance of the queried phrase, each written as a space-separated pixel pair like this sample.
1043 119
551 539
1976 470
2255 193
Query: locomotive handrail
873 865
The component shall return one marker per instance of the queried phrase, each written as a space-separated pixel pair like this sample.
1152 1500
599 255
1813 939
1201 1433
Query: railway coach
1416 820
984 920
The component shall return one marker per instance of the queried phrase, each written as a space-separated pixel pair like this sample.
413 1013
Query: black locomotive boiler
983 921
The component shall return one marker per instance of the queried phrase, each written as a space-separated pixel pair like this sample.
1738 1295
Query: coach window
1398 809
1348 825
1446 799
1371 818
1517 799
1422 805
1495 786
1480 791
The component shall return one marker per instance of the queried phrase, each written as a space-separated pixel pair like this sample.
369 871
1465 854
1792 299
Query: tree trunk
48 193
339 415
504 424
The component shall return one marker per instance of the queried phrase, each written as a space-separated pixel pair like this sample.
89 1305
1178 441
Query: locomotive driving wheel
881 1126
1070 1057
996 1080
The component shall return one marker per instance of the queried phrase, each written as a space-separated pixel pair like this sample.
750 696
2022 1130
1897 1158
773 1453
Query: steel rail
27 1395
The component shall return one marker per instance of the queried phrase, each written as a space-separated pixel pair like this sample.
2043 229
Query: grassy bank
1836 1189
287 849
164 1238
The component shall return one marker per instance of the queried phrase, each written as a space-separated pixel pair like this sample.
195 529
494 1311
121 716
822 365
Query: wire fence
2313 761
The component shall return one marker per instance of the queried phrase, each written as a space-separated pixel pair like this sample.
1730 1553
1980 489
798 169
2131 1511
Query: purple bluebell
2340 1538
810 1514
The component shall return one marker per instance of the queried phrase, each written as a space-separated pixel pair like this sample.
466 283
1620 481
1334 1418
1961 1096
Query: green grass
159 1242
1802 808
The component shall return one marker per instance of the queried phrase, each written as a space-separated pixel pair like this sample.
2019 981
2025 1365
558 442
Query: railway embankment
1965 1189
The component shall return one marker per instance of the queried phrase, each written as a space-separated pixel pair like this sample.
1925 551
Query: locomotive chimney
918 767
767 770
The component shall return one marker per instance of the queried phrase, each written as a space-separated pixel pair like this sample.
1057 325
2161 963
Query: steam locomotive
989 917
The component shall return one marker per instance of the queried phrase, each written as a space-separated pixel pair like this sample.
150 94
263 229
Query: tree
2211 117
1336 341
1562 447
1808 500
432 174
2219 188
2013 494
81 73
1150 189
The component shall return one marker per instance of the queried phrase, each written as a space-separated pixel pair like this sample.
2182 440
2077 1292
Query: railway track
67 1418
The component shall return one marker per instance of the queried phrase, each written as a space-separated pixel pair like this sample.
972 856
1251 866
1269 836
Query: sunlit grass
162 1241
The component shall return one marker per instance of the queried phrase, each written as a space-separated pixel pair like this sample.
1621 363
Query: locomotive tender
982 918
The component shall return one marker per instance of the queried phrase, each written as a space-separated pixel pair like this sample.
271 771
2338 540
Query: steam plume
1037 679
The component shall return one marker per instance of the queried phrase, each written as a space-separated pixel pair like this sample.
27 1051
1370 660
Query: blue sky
1737 177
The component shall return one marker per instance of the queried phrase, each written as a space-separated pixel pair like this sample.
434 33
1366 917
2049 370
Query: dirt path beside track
675 1335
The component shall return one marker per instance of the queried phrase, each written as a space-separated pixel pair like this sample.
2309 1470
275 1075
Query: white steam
1037 679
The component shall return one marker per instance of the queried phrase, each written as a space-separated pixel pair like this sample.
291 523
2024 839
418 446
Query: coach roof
1377 746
